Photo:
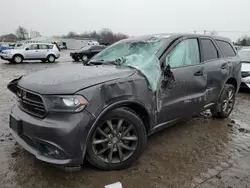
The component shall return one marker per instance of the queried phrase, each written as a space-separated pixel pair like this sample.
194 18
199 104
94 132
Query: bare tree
214 33
22 33
34 34
243 41
72 34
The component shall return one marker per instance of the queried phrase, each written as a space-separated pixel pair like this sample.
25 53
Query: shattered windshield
137 54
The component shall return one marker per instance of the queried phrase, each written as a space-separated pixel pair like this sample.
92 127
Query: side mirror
27 49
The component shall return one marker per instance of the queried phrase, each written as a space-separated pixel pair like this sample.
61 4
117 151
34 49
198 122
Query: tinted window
50 46
96 47
185 53
209 50
226 48
43 46
33 47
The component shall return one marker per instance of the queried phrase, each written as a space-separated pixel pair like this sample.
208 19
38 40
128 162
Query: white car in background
35 51
245 68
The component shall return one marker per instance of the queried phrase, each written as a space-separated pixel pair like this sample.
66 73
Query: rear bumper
245 82
58 139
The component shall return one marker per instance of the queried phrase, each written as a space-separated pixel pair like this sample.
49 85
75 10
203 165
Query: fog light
51 151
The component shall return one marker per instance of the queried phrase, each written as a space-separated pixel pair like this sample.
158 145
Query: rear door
184 92
42 51
216 68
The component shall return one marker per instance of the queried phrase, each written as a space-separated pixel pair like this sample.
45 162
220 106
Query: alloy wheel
18 59
228 102
114 141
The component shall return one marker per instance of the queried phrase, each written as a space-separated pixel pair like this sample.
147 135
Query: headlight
65 103
6 52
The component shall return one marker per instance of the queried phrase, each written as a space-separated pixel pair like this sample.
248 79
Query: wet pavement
200 152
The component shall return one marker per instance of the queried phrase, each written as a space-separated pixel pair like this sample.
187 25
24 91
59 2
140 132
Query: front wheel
226 102
117 141
17 59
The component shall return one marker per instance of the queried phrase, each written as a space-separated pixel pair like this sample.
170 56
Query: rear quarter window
226 48
50 46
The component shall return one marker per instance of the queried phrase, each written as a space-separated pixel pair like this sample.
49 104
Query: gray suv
35 51
105 110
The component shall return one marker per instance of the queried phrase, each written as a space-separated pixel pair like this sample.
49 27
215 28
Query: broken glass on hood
138 54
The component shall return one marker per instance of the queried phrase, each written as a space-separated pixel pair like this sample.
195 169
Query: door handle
199 72
224 66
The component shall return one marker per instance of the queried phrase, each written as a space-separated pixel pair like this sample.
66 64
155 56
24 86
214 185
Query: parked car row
104 111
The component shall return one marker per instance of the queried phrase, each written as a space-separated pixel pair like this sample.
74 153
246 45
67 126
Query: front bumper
6 56
245 82
58 139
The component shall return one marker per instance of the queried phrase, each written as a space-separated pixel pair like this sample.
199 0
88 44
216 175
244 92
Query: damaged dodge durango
105 110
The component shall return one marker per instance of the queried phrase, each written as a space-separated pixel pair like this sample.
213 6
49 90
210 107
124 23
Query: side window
185 53
50 46
33 47
209 51
43 47
226 48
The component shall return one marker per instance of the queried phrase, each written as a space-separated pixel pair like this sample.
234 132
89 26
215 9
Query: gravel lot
201 152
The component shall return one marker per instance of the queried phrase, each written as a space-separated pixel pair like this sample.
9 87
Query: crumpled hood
245 67
72 78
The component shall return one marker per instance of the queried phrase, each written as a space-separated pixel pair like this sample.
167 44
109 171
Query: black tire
17 59
76 59
218 111
51 58
128 119
85 58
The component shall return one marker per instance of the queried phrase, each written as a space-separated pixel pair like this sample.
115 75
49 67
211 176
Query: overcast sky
132 17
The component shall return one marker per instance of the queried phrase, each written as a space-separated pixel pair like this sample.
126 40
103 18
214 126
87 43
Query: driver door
31 52
182 92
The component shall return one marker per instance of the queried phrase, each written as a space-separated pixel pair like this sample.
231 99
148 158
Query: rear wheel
117 140
51 58
226 102
75 59
85 58
17 59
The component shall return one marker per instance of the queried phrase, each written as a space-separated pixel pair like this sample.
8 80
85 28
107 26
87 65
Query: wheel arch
51 54
18 54
134 106
233 82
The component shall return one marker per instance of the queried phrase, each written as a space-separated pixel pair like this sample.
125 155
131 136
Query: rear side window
226 48
209 51
50 46
43 46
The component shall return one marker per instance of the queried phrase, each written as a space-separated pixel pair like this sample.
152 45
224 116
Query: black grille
31 103
245 74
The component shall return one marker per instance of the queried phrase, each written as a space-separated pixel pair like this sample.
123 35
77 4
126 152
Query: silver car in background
35 51
245 68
